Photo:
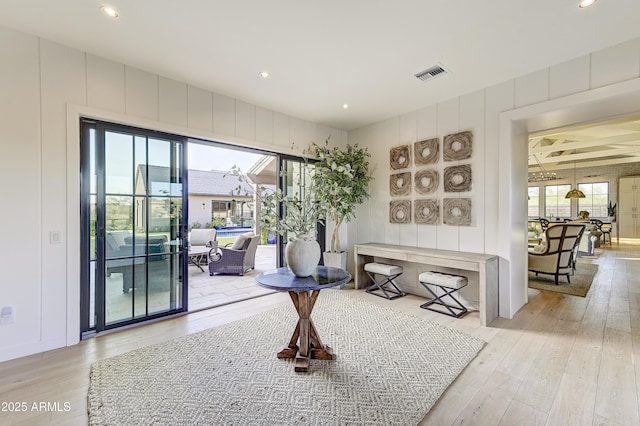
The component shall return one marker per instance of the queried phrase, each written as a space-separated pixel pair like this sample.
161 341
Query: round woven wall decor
400 157
426 212
426 152
400 184
400 211
456 211
457 146
457 178
426 181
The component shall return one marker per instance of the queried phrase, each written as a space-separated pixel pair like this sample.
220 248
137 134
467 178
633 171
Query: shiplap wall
39 167
39 79
479 112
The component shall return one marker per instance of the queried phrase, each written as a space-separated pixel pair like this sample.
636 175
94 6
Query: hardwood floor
562 360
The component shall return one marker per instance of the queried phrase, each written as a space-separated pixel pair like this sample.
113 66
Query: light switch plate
55 237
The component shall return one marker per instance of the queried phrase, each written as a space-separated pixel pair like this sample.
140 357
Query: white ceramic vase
302 255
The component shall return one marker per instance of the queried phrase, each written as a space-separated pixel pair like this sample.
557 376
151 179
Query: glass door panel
137 261
295 175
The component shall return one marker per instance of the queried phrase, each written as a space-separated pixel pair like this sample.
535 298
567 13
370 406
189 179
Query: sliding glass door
133 209
295 174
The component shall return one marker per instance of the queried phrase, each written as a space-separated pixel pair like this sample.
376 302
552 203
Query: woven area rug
390 368
580 281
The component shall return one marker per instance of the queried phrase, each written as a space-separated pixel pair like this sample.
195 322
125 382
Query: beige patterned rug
390 369
580 281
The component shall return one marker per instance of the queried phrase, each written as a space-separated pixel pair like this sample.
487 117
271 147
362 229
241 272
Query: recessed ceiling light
109 11
585 3
264 74
345 106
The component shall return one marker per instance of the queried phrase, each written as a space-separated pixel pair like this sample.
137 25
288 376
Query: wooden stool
449 284
382 286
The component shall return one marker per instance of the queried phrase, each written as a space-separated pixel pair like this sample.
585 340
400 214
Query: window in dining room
597 198
533 203
555 203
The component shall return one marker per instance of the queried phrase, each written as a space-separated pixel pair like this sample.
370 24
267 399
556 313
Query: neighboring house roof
201 182
215 182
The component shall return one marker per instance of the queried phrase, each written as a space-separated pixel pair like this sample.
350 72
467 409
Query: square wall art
456 211
426 152
457 178
457 146
400 157
426 212
400 184
400 211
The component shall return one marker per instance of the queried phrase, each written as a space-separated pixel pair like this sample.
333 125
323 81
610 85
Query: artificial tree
342 178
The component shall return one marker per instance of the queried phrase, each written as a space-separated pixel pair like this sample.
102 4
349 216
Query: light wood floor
562 360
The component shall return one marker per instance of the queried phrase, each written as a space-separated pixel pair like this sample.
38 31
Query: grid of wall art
425 181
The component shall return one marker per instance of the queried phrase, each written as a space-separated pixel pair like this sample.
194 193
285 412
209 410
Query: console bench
485 264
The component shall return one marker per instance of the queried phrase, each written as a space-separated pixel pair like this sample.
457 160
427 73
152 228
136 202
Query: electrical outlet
7 315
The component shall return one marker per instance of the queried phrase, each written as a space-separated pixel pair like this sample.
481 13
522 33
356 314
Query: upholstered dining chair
544 223
556 256
604 228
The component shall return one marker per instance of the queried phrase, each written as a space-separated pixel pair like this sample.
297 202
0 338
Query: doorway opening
225 188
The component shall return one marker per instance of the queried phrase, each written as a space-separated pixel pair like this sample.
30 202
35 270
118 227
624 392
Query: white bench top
383 268
442 279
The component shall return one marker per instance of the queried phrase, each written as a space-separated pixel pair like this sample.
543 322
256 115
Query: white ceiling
325 53
607 143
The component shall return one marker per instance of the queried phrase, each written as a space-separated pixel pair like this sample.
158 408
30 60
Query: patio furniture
139 271
381 286
237 259
556 256
202 237
200 241
199 255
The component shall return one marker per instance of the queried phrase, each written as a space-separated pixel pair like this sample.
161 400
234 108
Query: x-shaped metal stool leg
382 286
448 291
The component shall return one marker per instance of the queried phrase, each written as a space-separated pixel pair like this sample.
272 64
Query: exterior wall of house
204 215
493 166
199 209
44 87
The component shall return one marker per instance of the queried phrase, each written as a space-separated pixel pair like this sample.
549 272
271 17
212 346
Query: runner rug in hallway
389 368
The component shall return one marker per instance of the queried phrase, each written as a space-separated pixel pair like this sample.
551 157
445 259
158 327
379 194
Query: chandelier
543 175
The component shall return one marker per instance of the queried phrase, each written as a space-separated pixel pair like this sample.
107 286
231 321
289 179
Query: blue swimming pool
233 231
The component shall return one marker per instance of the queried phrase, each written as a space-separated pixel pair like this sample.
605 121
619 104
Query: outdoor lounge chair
238 259
199 240
202 237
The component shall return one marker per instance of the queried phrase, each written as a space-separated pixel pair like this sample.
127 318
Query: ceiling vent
431 73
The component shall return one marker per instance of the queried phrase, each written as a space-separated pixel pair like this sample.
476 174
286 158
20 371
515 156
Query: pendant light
575 193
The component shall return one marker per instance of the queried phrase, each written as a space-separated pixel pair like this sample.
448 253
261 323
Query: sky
204 157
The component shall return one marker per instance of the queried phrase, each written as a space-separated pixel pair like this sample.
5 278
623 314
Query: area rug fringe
390 369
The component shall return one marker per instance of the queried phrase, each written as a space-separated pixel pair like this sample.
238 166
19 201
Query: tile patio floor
208 291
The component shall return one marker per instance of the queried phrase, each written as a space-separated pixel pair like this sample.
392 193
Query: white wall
45 87
500 118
